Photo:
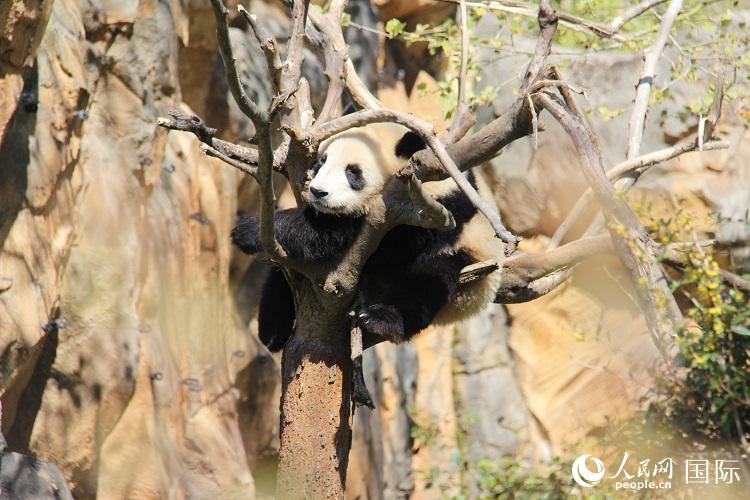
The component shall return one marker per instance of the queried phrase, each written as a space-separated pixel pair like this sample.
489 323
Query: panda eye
354 176
354 169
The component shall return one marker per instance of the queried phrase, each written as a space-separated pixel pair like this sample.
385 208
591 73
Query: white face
350 173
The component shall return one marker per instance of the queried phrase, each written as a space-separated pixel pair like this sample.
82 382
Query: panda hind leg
398 305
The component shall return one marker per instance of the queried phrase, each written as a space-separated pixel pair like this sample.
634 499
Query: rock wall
119 342
128 354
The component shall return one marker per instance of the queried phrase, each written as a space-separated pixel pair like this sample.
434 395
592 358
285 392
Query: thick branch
335 53
427 212
427 133
646 80
547 19
631 241
261 120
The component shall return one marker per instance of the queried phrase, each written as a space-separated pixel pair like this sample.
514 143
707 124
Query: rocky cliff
128 355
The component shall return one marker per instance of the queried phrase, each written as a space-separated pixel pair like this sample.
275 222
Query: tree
317 364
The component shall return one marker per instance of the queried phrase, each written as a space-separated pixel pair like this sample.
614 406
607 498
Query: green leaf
394 27
741 330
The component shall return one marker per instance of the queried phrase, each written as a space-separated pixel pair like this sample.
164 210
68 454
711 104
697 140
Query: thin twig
570 21
633 169
646 80
267 45
631 13
462 107
246 105
242 167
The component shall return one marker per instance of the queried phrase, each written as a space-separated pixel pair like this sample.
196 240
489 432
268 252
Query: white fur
372 148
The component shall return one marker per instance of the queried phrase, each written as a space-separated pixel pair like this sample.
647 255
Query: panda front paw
246 235
384 321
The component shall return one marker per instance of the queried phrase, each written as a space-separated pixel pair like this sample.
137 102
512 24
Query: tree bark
316 414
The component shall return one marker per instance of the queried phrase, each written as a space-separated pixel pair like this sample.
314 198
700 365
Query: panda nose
318 193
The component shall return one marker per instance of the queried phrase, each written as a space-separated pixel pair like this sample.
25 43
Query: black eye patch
319 162
354 176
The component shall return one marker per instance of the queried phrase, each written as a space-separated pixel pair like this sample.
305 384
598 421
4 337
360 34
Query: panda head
353 167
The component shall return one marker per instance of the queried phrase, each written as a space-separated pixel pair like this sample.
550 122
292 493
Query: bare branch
509 294
339 66
536 265
428 212
462 108
190 123
646 80
633 169
631 241
335 53
475 272
242 167
357 89
187 123
480 146
631 13
460 127
292 68
360 394
427 133
570 21
261 120
547 18
267 45
247 106
567 93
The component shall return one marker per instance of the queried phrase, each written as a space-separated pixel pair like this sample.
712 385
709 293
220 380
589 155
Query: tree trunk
315 408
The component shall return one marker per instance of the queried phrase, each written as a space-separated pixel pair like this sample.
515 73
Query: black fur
404 284
305 233
276 311
409 144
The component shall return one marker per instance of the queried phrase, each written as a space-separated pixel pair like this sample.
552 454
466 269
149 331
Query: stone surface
128 350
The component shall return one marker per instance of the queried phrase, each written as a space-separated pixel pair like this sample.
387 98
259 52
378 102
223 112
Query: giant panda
411 280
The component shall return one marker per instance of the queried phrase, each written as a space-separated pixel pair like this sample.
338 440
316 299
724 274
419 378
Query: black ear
409 144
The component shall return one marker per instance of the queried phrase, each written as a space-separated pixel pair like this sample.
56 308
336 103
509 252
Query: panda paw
246 235
384 321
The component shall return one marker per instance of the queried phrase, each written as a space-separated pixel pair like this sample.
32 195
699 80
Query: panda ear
409 144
